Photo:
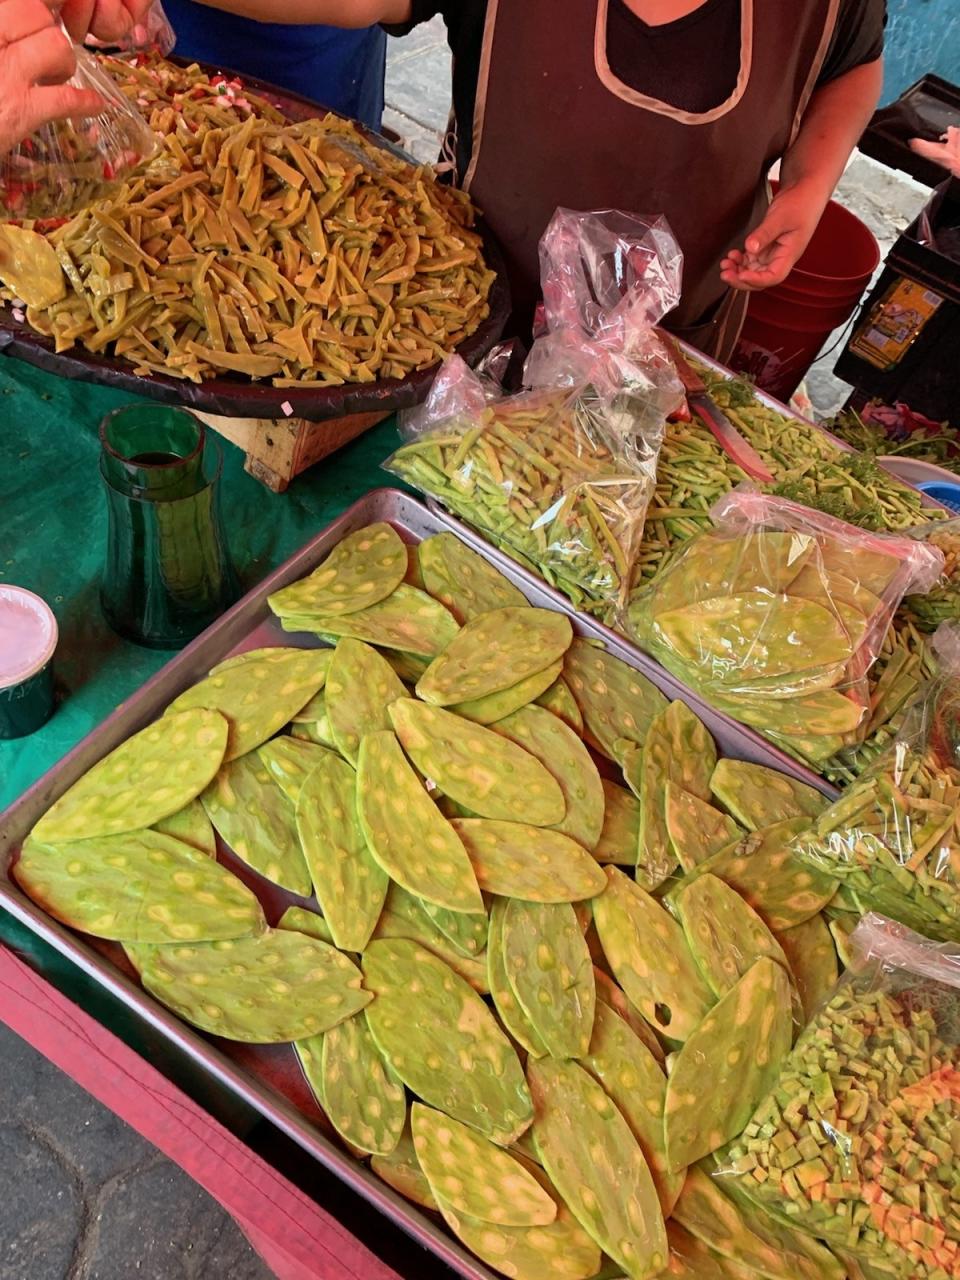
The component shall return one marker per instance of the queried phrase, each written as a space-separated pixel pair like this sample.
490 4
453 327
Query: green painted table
53 531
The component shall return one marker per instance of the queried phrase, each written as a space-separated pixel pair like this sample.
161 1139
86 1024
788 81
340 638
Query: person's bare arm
832 125
335 13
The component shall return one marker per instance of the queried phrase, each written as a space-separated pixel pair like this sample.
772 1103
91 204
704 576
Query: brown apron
554 126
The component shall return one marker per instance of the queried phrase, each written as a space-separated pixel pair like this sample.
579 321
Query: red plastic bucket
787 325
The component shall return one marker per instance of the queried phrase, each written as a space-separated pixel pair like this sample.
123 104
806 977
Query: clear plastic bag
560 476
153 34
893 837
68 164
857 1144
777 614
942 602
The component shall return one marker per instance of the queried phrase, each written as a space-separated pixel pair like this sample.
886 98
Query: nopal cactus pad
443 1042
405 916
495 651
408 620
257 697
290 761
476 767
621 826
515 860
550 970
505 1001
405 831
736 1052
617 703
563 755
191 825
257 821
650 957
591 1155
462 580
401 1170
362 569
365 1101
695 829
758 797
350 885
140 886
360 687
270 989
147 778
493 707
475 1176
725 934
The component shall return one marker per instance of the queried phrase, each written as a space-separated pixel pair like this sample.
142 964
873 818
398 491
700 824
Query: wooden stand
277 449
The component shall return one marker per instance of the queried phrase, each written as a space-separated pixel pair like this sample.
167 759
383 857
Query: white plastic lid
28 635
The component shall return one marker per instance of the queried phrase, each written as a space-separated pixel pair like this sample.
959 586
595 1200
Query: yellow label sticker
894 323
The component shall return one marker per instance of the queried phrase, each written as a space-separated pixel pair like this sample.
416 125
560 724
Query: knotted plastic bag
560 475
777 614
68 164
857 1143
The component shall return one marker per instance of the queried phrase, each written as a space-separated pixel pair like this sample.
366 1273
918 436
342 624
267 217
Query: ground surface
82 1197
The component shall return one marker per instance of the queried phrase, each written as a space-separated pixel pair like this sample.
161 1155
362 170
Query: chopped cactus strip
493 652
621 826
258 823
591 1155
812 957
650 958
617 703
443 1042
476 1177
505 1001
408 620
191 825
728 1064
560 1251
635 1082
147 778
405 916
462 580
549 967
405 831
364 1100
563 704
563 755
270 989
515 860
257 698
361 570
360 686
725 934
300 920
781 889
754 1241
401 1171
140 886
615 998
758 797
289 762
350 885
493 707
476 767
696 830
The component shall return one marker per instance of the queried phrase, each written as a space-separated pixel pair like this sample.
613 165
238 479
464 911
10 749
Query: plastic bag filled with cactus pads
893 837
857 1143
777 614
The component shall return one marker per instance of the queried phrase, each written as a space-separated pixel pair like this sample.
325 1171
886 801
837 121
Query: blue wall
922 35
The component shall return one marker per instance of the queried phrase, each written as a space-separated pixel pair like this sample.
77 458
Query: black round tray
234 396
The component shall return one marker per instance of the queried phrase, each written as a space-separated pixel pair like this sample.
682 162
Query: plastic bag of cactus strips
893 838
859 1143
561 474
777 614
69 164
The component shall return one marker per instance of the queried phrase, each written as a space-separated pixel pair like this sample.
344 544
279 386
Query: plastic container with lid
28 639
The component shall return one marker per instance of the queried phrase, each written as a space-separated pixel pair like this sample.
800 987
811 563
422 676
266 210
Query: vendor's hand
35 59
108 21
946 152
772 250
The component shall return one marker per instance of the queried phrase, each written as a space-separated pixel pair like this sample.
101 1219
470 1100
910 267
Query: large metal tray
235 396
268 1078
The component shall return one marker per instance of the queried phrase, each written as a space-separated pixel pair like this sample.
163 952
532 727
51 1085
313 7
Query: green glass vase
168 572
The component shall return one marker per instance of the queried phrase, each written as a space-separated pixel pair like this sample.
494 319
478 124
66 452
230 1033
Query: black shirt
692 63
